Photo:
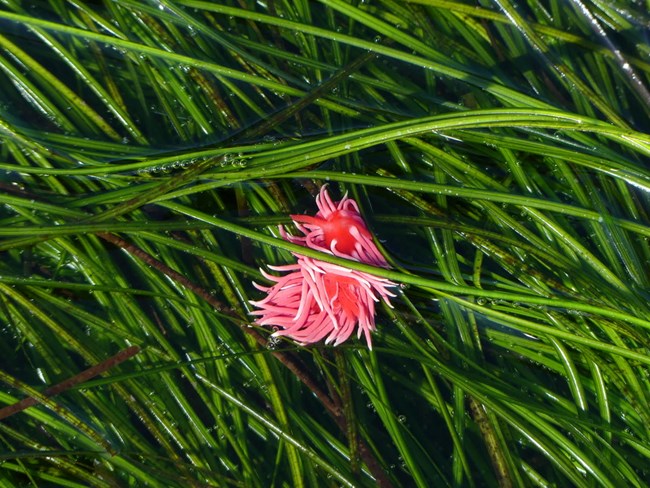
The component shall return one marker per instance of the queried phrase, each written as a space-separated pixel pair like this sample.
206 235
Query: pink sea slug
316 300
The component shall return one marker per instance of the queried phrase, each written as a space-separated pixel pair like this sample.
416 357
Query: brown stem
499 462
82 377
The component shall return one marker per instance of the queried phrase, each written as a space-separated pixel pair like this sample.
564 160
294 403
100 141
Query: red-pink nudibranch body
339 229
315 299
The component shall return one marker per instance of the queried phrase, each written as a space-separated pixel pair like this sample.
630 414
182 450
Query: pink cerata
316 300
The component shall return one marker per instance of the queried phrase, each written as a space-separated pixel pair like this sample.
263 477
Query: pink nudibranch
316 299
338 228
